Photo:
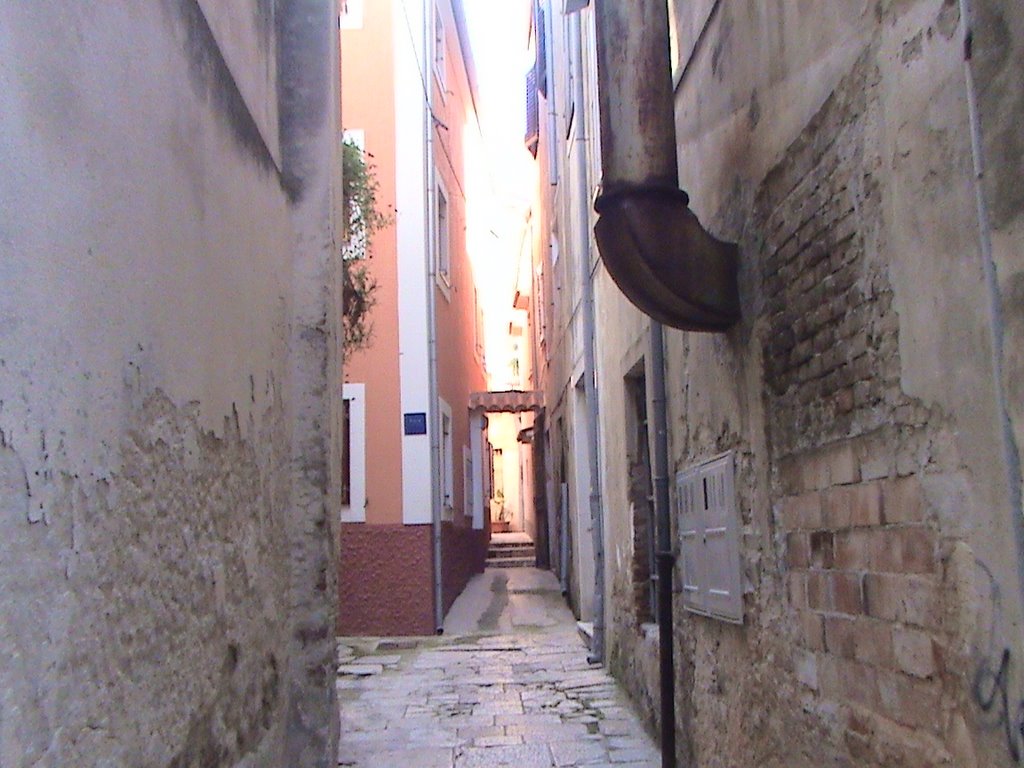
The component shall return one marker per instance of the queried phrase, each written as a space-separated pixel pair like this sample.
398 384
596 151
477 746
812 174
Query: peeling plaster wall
880 563
158 583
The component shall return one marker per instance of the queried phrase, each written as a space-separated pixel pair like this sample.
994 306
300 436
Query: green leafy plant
363 218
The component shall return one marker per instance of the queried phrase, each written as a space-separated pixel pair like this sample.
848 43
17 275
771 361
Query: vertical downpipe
589 357
638 148
665 557
436 492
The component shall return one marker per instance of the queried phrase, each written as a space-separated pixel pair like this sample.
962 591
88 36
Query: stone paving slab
523 698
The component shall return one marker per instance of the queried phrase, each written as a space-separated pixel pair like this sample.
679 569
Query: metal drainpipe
665 556
589 358
638 150
1011 454
436 492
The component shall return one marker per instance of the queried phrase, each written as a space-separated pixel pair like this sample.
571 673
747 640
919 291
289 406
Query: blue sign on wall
415 423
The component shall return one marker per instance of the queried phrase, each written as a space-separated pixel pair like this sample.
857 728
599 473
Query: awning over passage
511 401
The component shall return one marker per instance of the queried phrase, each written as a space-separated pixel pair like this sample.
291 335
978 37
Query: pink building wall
387 567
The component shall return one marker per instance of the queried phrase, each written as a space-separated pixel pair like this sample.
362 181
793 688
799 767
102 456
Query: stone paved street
507 685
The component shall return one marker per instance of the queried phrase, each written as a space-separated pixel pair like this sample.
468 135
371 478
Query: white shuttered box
708 525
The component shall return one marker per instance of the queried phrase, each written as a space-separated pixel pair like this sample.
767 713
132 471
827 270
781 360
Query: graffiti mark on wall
992 680
992 692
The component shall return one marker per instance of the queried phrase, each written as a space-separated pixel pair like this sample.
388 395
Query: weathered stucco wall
162 498
879 555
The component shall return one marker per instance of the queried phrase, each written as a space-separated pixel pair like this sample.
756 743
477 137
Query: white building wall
411 225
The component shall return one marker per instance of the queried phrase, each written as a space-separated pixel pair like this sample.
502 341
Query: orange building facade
413 529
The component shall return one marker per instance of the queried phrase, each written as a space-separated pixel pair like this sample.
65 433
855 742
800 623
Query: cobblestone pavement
507 685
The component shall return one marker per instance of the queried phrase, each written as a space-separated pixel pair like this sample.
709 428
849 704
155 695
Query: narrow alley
462 383
507 684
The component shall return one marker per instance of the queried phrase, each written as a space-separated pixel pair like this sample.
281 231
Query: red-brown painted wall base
463 554
385 584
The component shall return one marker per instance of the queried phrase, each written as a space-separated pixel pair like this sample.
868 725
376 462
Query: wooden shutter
532 137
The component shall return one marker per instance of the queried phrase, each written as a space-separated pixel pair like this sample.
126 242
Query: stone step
510 544
512 562
526 550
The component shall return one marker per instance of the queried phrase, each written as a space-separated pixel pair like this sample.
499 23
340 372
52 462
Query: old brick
812 630
796 588
818 591
839 636
882 741
805 665
866 504
862 639
815 472
822 549
914 651
912 600
853 549
874 642
874 450
914 703
903 500
852 506
790 475
842 464
835 508
846 593
910 549
798 554
801 512
843 679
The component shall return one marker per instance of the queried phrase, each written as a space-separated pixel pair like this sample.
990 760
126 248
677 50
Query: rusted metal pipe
651 243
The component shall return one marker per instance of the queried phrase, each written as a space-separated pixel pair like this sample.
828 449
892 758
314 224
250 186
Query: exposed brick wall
386 584
862 558
831 351
463 554
864 583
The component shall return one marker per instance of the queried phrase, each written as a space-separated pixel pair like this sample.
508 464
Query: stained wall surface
878 527
164 421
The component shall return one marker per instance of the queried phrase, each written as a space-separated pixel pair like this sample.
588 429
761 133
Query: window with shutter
542 53
353 449
532 137
708 529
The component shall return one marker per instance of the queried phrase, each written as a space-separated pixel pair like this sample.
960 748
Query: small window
444 265
346 453
531 137
542 53
640 495
351 14
447 464
708 524
540 302
353 453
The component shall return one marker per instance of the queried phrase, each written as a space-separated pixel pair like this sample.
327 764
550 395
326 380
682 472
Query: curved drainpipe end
664 261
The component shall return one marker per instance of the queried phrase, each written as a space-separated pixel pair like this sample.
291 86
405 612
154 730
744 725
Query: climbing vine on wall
363 219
